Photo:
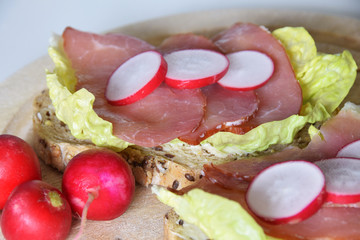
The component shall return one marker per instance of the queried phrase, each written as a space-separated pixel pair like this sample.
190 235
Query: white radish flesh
342 179
195 68
287 192
248 70
350 150
136 78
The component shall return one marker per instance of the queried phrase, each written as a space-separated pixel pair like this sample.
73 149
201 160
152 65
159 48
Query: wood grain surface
144 219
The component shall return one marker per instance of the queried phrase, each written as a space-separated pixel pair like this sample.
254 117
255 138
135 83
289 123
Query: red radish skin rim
191 82
155 79
342 199
223 82
338 197
304 211
351 150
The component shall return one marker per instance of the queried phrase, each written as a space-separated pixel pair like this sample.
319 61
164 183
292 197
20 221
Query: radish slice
342 179
195 68
136 78
351 150
287 192
248 70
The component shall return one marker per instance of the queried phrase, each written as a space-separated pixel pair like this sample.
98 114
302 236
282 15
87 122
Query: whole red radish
36 210
18 164
99 181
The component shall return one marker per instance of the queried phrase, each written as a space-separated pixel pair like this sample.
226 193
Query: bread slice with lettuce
66 124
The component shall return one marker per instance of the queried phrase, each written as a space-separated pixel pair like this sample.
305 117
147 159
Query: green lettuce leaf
63 71
76 108
298 44
265 135
218 217
325 80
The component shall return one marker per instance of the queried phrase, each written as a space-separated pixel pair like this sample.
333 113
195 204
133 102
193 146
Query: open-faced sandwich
206 117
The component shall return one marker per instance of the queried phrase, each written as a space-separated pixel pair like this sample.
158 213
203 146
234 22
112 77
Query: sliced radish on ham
274 101
342 179
195 68
350 150
136 78
287 192
248 70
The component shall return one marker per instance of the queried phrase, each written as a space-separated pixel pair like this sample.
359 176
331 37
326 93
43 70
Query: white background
26 25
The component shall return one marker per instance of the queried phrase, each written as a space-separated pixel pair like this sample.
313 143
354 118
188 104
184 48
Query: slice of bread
174 165
177 229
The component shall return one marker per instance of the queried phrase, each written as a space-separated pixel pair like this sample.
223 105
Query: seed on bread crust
168 155
175 184
189 177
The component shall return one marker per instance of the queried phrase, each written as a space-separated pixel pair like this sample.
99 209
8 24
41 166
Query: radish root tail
91 198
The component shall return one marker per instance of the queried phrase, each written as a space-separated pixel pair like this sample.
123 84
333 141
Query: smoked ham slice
224 109
160 117
281 97
186 41
95 55
330 222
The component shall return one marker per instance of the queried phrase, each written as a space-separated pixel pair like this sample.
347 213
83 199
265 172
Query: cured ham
231 180
281 97
146 122
340 223
186 41
94 55
224 110
337 132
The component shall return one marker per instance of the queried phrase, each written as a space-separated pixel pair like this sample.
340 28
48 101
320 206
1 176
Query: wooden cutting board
144 219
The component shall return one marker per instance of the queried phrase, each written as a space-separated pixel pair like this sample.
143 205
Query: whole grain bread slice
174 165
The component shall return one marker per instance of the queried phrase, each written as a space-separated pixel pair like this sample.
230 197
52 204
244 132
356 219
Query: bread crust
176 228
171 225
